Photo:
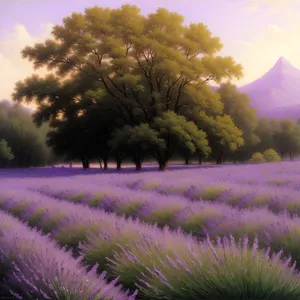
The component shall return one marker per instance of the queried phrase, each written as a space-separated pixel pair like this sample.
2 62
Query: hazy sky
255 32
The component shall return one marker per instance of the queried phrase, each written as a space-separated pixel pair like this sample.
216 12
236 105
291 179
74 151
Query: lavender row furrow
241 196
163 263
200 219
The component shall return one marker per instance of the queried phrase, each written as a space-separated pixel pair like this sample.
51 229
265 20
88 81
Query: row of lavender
33 267
241 196
169 199
200 218
164 264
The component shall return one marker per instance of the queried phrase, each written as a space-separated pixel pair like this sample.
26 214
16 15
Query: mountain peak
277 88
282 59
282 62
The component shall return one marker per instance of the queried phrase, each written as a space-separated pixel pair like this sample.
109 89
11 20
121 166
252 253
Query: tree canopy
137 70
237 106
287 138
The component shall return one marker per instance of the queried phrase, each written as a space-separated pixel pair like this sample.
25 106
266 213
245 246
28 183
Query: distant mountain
11 103
6 101
277 93
292 112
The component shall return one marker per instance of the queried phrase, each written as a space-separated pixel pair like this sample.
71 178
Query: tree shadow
50 172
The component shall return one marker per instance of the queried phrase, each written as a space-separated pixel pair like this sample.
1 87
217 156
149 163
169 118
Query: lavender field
200 232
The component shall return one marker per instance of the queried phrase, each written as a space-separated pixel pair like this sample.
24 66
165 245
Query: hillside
277 93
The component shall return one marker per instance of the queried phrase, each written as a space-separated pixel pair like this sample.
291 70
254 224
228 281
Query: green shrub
257 157
271 155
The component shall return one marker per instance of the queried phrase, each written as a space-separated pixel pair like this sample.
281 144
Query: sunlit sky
255 32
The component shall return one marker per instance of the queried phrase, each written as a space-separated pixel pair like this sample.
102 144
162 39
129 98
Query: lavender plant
227 270
33 267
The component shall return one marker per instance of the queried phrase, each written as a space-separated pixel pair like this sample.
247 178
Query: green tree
178 135
236 105
27 143
136 142
224 137
199 138
73 116
143 63
132 66
287 138
70 141
5 151
266 130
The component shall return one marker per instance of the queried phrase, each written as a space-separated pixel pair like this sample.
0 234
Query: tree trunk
119 162
105 163
163 157
163 166
219 159
137 159
119 157
138 165
187 161
85 163
281 155
100 163
200 161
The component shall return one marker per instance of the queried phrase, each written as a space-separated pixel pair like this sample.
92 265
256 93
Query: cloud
260 54
12 66
274 6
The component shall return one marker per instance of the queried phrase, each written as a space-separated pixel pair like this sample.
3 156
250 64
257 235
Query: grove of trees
123 85
21 143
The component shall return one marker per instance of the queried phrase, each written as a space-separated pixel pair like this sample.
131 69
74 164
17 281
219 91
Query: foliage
287 138
5 151
178 134
133 68
225 138
26 142
271 155
237 106
136 141
266 130
257 157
